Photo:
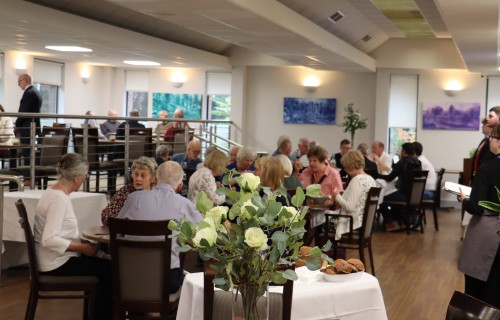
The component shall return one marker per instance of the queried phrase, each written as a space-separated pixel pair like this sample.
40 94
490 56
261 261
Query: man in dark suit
345 147
30 102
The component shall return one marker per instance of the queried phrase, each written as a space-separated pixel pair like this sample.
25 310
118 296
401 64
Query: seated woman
352 201
320 172
290 182
272 176
403 171
203 179
94 124
480 256
143 176
244 163
59 249
6 134
259 165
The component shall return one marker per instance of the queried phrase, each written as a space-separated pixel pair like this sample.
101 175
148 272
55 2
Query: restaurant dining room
249 159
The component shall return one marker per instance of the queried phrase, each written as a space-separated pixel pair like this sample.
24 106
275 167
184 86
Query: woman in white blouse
352 201
204 177
59 249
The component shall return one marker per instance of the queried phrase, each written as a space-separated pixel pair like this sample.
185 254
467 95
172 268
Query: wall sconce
85 74
21 66
451 92
311 83
177 80
452 88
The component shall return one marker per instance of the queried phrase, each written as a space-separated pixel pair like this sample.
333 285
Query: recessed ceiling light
68 48
141 63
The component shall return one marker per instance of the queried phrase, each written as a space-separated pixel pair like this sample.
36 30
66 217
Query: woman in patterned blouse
204 178
143 175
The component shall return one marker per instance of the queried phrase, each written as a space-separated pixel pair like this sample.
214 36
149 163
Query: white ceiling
201 33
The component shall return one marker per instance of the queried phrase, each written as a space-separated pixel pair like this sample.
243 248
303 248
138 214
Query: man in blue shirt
163 203
191 158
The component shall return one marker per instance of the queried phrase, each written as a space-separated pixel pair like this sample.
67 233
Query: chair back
417 187
30 243
140 252
371 206
465 307
437 194
52 149
92 144
55 131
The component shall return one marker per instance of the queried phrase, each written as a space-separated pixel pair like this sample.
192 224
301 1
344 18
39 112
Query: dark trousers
489 290
90 266
24 135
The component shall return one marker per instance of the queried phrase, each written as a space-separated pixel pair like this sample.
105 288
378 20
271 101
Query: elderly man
233 154
345 147
31 102
132 123
111 125
163 203
191 158
300 154
284 146
163 126
381 158
174 128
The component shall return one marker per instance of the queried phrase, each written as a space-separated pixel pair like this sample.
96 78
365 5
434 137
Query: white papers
455 188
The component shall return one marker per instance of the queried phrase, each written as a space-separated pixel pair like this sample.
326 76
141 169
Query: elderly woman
320 172
352 201
203 179
143 175
480 256
162 154
59 249
6 133
245 158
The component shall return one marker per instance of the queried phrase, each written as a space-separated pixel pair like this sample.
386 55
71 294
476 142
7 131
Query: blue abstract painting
309 110
451 116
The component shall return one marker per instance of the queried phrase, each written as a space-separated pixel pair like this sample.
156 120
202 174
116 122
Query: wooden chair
96 166
217 303
434 203
465 307
141 268
414 202
40 284
359 239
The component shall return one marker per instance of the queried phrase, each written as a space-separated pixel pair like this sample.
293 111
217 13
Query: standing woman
480 256
59 249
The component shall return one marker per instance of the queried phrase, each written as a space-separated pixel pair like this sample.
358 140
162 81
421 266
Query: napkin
305 275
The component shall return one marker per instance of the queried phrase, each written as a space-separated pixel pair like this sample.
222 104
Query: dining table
313 297
87 207
98 234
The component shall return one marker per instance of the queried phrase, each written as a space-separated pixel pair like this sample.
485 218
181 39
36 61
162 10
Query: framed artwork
451 116
190 103
309 110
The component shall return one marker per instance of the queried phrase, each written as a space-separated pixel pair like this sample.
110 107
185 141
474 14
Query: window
219 103
50 103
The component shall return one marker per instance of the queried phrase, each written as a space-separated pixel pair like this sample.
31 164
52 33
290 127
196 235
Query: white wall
267 86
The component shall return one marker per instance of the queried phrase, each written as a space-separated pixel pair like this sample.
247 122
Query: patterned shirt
116 203
203 180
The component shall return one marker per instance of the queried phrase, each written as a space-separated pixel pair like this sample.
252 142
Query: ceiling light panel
68 48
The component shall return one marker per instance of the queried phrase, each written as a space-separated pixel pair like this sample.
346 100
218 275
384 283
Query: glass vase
250 302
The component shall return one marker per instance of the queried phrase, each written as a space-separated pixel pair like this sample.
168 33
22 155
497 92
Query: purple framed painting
451 116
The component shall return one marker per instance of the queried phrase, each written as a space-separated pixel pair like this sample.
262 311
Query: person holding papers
480 256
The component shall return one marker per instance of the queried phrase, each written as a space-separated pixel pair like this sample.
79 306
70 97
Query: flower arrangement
254 241
353 121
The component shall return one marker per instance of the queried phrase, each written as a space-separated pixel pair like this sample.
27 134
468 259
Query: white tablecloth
313 298
87 206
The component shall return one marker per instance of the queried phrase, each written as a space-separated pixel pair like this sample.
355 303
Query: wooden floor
417 274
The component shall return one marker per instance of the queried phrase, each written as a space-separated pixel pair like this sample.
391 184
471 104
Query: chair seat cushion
69 283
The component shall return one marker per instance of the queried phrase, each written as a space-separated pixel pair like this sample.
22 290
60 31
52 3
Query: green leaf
299 197
313 264
186 229
327 246
316 252
279 236
184 248
203 204
290 275
203 225
313 190
219 281
172 225
492 206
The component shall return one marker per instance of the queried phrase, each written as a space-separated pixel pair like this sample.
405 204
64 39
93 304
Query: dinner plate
343 277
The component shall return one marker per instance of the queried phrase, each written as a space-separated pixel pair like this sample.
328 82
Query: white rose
208 234
256 238
245 214
249 181
216 213
292 212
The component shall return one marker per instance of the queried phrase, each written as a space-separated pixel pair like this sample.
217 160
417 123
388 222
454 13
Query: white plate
343 277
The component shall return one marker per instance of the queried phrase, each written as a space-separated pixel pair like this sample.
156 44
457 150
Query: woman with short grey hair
162 153
57 236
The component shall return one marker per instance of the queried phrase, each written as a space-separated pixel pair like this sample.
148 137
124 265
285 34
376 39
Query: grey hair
134 113
209 150
170 172
286 163
71 166
180 112
162 150
363 148
246 153
283 140
145 163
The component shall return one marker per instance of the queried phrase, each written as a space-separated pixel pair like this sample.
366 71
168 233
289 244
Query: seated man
111 125
381 158
300 155
430 184
345 147
120 132
191 158
162 153
163 203
163 126
284 146
174 128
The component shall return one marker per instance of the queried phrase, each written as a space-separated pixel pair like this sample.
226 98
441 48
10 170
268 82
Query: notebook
455 188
